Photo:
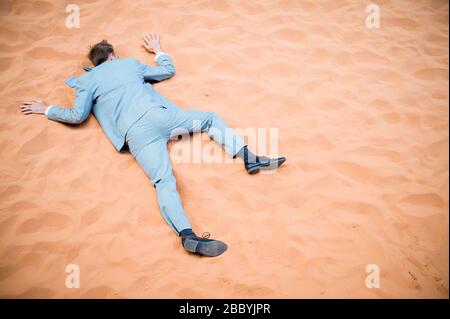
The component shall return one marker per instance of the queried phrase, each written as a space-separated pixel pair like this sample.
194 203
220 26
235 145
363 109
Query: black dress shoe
264 163
203 246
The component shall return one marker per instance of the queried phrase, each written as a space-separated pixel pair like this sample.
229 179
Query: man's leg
197 121
217 129
154 160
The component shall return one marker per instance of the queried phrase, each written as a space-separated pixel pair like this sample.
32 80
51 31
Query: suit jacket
117 94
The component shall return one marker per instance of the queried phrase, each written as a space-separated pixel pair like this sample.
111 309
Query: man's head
101 52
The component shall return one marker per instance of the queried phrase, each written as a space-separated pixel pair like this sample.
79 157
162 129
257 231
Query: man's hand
152 43
35 106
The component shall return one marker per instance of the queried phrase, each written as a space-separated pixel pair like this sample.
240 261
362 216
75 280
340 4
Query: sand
362 115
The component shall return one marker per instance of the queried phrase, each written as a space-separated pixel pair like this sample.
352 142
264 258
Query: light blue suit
135 117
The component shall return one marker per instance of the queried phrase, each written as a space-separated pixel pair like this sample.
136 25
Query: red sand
362 116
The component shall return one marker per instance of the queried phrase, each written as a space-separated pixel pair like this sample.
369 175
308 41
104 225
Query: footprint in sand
426 199
431 74
47 222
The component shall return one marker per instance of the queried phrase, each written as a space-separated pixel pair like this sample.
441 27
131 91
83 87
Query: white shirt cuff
159 54
48 109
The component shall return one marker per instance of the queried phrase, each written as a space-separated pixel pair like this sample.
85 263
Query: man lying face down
136 118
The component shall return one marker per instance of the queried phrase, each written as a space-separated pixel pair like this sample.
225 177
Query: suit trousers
147 141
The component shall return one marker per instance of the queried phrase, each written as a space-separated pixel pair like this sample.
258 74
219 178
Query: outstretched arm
75 115
165 68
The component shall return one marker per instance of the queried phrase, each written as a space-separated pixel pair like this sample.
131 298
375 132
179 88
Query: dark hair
99 52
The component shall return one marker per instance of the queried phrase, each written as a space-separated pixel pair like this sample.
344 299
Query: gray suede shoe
264 163
203 245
